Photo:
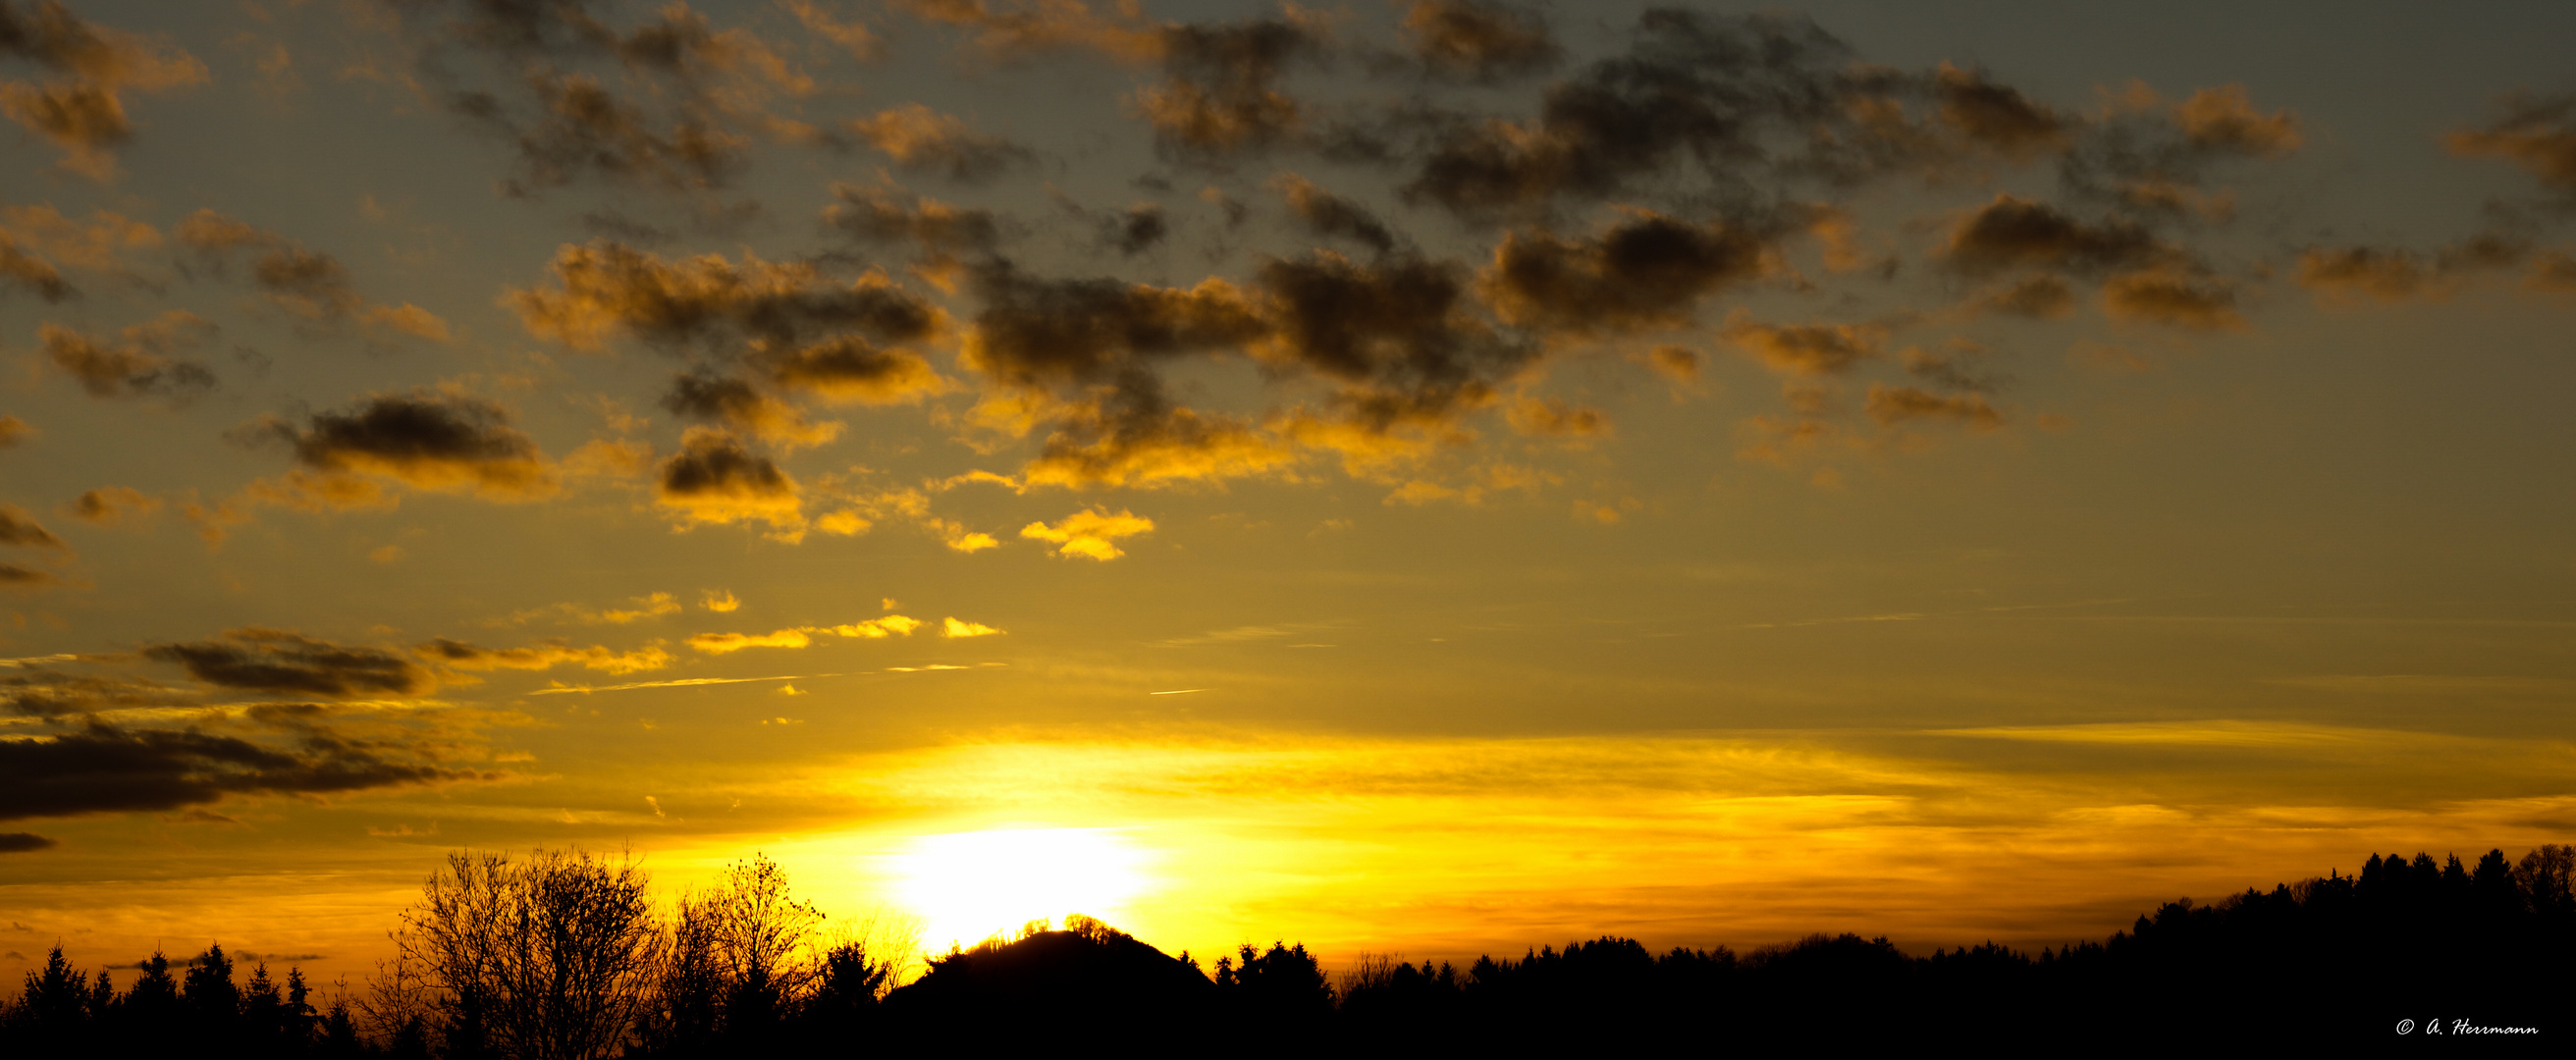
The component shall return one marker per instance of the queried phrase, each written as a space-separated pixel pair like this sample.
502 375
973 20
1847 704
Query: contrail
1177 692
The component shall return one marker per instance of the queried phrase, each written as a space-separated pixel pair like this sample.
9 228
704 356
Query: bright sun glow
968 885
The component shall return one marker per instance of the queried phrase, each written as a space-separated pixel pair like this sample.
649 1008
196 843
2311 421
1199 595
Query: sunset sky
1425 477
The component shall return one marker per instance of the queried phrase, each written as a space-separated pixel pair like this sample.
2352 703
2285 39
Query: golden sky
1429 477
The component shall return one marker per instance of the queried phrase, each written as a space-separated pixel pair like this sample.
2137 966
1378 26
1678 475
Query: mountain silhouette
1048 980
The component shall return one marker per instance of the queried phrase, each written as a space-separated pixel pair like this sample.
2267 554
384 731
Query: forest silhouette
565 955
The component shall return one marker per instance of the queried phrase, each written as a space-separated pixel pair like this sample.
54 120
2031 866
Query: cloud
102 769
2537 133
892 215
733 403
1692 85
713 479
1007 30
1481 42
719 601
269 660
1645 270
1220 94
19 528
920 139
38 276
1090 534
2013 232
1995 116
1397 334
303 282
2383 275
1804 349
25 842
1131 434
722 643
1136 230
13 576
428 440
460 655
2037 297
137 365
1552 418
953 628
1331 216
110 505
2224 119
2166 296
605 288
15 432
1033 332
1891 405
1679 364
81 109
876 628
671 103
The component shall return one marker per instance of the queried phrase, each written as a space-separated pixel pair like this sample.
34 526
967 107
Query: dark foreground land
562 956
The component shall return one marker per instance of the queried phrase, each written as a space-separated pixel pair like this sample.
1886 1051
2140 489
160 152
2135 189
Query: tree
552 958
741 960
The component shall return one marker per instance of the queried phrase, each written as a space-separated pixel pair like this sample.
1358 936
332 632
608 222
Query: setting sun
968 886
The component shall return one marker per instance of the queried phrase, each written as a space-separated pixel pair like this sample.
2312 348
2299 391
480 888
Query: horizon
1427 478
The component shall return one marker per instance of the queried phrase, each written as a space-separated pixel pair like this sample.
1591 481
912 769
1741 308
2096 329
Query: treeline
563 956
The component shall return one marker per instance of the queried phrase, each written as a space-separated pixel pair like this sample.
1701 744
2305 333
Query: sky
1428 478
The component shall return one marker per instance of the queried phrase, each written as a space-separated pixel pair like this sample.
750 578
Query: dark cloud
1011 30
1805 349
2173 297
430 440
461 655
581 128
269 660
2037 297
2537 133
1644 270
1697 86
922 140
103 769
1332 216
139 363
314 285
24 842
303 282
13 576
109 505
38 276
604 288
1220 93
1995 116
1136 230
1397 333
45 692
19 528
2017 233
892 215
714 479
736 403
672 102
850 368
15 431
1035 332
2153 158
2223 120
1482 42
1890 405
1130 434
81 109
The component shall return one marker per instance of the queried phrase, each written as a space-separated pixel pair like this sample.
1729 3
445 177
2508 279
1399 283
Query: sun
968 885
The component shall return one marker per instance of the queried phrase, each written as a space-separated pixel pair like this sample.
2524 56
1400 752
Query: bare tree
742 958
552 958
